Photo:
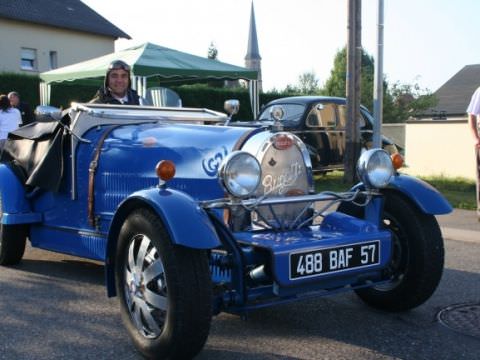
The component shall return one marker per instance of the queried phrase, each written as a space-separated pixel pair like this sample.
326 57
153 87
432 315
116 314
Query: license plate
334 259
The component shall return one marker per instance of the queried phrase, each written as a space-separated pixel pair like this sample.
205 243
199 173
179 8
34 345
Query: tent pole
134 83
144 78
254 97
44 93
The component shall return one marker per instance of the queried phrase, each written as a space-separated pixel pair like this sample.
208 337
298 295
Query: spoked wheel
417 259
165 290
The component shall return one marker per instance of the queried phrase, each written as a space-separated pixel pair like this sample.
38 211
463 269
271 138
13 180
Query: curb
460 235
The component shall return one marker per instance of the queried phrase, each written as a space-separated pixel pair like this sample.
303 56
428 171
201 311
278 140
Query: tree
337 82
308 83
212 51
400 101
406 100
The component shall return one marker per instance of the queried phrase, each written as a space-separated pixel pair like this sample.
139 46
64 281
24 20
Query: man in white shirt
10 119
473 111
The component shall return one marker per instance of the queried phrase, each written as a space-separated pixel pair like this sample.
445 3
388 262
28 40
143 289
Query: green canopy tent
151 65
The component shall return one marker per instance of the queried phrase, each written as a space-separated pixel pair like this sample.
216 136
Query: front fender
15 208
186 223
425 196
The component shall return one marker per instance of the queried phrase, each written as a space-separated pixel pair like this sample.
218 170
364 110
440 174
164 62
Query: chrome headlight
375 168
240 174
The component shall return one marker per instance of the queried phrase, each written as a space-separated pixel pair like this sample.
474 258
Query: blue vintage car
193 218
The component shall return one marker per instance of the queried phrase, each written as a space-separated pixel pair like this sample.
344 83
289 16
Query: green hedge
213 98
201 96
28 88
62 95
25 85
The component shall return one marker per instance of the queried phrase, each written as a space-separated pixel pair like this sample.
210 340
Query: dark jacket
26 112
103 96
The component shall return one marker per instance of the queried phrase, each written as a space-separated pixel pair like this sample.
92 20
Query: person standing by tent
117 87
10 119
23 107
473 111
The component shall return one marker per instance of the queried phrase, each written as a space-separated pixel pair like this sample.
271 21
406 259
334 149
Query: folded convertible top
35 154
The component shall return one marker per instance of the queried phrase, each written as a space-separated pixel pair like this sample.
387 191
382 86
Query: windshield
293 112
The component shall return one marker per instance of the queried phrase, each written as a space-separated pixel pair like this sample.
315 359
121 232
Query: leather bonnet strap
91 174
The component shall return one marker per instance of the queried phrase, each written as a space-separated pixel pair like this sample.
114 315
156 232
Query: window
293 112
322 115
342 109
53 60
28 59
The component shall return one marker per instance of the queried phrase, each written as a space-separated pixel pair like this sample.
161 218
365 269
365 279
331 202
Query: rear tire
165 290
12 244
417 260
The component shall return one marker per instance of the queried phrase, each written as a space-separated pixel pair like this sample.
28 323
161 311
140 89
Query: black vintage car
320 122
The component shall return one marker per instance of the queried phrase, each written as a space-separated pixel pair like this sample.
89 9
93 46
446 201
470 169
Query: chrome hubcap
145 287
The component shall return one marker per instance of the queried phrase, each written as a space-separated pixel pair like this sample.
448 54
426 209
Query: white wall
440 147
71 46
395 132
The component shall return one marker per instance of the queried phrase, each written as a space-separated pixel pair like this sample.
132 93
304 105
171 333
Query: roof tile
66 14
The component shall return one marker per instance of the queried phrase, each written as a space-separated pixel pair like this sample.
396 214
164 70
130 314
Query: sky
425 41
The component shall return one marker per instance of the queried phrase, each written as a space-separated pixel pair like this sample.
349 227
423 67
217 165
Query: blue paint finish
338 230
186 222
424 195
340 222
131 152
12 192
21 218
374 210
427 198
85 244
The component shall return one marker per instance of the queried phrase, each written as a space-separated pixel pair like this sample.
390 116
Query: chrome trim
259 144
101 114
319 203
323 196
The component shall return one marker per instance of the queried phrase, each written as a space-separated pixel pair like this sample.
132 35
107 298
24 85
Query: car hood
130 153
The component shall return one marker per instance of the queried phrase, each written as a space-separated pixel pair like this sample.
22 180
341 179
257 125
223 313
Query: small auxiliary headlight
240 174
375 168
397 160
165 170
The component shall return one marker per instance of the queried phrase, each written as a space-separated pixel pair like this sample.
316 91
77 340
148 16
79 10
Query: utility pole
378 81
354 59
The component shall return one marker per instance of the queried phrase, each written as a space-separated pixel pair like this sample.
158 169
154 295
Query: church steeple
253 58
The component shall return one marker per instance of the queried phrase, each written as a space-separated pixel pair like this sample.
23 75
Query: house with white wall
439 142
41 35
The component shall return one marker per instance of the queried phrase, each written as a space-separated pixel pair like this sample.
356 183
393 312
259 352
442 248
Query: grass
459 192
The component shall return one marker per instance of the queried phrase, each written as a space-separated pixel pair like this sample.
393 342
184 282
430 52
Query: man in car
117 86
473 111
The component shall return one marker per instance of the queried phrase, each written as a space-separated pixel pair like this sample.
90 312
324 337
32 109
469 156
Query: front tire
417 258
165 290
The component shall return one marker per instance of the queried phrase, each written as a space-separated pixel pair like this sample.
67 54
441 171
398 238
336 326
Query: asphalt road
54 306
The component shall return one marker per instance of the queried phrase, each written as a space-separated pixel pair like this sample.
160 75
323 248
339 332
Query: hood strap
91 175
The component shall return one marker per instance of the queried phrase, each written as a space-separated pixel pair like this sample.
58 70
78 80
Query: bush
62 95
199 96
204 96
26 85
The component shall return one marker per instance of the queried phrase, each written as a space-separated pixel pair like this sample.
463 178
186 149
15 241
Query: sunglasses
119 65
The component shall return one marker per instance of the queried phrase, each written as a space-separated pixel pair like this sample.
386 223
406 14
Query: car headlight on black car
374 168
240 174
